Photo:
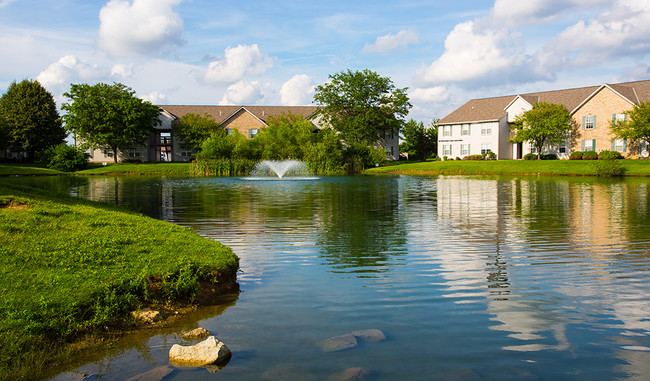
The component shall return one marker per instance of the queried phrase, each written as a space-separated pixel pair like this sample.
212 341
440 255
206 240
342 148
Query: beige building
247 120
483 125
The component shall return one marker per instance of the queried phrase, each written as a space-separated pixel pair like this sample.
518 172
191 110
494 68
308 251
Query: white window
185 153
465 130
446 149
589 145
108 152
134 152
253 132
561 148
589 122
619 145
446 130
388 134
165 138
228 131
464 149
619 118
533 149
485 148
486 129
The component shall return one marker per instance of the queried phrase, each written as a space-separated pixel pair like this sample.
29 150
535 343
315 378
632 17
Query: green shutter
624 145
614 118
584 120
595 124
613 144
583 143
593 145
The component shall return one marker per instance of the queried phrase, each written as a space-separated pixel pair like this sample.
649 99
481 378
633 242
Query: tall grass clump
608 168
222 167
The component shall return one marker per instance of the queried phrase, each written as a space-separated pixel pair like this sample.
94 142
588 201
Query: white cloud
122 70
297 91
429 95
518 12
137 27
243 93
618 32
391 42
155 98
70 69
238 62
4 3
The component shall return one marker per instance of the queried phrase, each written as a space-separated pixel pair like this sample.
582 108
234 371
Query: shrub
473 157
457 158
530 156
577 155
609 155
589 155
608 168
65 158
444 158
492 155
549 156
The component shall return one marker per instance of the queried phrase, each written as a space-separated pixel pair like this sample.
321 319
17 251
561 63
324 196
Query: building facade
483 125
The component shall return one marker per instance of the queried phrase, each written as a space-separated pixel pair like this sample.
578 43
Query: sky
257 52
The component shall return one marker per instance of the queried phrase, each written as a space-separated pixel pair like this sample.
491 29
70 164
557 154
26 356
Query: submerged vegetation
70 267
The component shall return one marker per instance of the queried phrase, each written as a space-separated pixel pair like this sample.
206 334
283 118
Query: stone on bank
210 351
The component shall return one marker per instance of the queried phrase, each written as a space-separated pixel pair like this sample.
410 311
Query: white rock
207 352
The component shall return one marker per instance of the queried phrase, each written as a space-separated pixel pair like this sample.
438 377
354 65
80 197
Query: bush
589 155
492 155
457 158
65 158
577 155
609 155
608 168
549 156
473 157
530 156
444 158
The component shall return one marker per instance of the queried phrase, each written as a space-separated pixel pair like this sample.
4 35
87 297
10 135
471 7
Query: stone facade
245 123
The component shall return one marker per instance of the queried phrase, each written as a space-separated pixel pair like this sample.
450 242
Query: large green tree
362 105
195 129
29 120
637 125
109 115
419 141
544 123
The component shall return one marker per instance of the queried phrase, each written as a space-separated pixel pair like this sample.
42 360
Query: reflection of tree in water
360 229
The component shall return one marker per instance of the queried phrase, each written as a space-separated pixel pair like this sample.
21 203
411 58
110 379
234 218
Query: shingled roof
493 109
222 113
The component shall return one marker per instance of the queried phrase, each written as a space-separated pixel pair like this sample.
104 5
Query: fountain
280 169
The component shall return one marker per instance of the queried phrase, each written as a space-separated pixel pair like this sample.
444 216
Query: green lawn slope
70 267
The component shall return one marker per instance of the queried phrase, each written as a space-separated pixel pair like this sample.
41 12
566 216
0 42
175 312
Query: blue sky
275 52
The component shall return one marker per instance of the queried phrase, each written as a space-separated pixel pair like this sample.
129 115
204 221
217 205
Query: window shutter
624 145
583 142
613 144
593 145
614 118
595 124
584 121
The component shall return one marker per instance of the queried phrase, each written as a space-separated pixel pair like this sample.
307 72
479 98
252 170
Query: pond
468 278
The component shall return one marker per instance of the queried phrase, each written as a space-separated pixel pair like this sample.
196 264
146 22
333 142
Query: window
619 118
185 153
486 129
485 148
533 149
589 122
228 131
561 148
134 152
589 145
446 149
90 152
465 130
619 145
108 152
446 130
464 149
253 132
165 138
388 135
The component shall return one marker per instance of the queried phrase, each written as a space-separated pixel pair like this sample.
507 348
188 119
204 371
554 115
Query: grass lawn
182 169
508 167
70 267
26 170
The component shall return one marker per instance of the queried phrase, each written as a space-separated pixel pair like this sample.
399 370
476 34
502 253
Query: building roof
222 113
493 109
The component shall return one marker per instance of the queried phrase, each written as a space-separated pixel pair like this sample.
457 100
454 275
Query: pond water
468 278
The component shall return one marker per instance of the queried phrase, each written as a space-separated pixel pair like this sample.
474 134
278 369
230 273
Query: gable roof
222 113
493 109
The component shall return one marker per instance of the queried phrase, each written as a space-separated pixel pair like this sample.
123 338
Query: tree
637 125
195 129
109 115
29 119
362 105
544 123
419 141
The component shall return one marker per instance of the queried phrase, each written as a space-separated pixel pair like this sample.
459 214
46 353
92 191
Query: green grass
508 167
26 170
70 267
181 169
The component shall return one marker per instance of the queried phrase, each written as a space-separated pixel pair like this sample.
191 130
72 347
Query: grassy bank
26 170
508 167
70 267
180 169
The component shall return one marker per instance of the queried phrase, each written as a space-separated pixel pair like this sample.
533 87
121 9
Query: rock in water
370 335
154 374
196 334
208 352
338 343
147 315
350 374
